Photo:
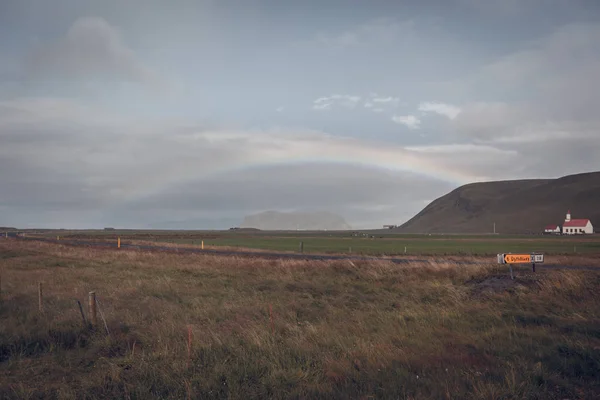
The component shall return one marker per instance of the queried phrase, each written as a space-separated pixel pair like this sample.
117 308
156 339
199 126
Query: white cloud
391 100
410 121
379 104
454 149
341 100
446 110
321 104
279 109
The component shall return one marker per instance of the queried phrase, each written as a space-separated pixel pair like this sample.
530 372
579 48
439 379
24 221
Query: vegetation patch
189 326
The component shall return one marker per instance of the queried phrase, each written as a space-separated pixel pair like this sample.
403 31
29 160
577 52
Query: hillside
274 220
519 206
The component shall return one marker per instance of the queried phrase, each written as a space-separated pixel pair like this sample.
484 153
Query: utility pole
494 228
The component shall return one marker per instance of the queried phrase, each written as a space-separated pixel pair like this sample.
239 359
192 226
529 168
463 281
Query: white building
577 226
554 229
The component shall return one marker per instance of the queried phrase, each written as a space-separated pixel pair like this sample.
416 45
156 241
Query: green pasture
367 243
396 246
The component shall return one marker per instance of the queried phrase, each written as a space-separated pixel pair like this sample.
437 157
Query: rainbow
272 151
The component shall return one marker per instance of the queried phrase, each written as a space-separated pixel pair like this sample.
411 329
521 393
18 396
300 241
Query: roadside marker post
511 259
40 302
92 308
118 243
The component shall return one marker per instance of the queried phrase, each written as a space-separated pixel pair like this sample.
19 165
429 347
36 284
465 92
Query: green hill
518 206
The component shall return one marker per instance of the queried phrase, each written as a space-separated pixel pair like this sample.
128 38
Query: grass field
190 326
374 244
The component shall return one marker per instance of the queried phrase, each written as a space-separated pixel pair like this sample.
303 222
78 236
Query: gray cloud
153 172
68 157
92 49
375 31
516 106
556 105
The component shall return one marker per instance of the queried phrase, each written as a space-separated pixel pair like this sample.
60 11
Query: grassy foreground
188 326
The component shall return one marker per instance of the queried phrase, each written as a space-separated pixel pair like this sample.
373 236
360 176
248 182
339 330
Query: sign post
511 259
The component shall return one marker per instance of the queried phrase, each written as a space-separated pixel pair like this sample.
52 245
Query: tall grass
189 326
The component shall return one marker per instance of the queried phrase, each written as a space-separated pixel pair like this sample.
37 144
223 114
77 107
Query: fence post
118 243
301 247
189 346
40 302
82 314
92 309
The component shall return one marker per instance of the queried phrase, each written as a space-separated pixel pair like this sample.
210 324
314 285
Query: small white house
552 229
577 226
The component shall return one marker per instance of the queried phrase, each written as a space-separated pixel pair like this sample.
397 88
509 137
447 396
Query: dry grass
337 329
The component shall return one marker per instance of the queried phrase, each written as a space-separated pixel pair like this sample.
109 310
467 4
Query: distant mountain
274 220
519 206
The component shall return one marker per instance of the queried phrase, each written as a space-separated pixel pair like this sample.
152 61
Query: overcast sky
192 114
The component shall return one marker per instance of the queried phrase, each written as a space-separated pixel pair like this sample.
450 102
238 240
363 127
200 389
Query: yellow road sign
517 258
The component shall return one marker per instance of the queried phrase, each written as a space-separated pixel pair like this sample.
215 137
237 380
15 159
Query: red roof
576 223
552 227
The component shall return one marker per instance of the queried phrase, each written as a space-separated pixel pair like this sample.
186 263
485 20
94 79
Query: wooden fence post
92 309
301 247
40 302
189 346
82 314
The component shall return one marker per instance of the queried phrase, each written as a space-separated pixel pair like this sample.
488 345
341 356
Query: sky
193 114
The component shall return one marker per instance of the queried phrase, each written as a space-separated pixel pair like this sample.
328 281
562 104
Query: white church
577 226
